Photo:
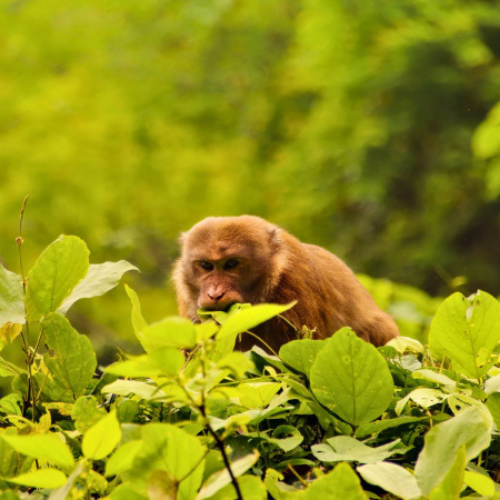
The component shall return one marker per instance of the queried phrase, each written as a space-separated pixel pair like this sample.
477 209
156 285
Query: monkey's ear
275 238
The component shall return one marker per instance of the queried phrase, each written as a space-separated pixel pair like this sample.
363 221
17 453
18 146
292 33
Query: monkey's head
225 260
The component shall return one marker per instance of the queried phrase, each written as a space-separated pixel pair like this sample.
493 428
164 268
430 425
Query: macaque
225 260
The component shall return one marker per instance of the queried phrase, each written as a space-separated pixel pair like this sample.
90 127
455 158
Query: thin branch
271 350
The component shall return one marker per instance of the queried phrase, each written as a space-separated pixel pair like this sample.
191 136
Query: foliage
193 419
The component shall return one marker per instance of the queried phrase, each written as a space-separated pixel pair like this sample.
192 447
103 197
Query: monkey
246 259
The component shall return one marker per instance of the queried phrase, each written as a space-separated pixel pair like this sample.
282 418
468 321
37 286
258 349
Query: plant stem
26 338
289 323
271 350
219 442
297 475
220 445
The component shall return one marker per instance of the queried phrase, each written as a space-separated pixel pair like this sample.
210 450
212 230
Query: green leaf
100 440
405 344
351 378
278 489
486 139
293 439
72 362
340 484
247 319
42 447
391 478
381 425
126 491
12 404
161 361
122 459
128 411
345 448
251 487
301 354
480 483
451 486
138 322
100 279
9 332
11 298
42 478
237 362
467 331
170 332
86 413
442 442
170 449
222 478
257 394
56 272
493 405
12 462
222 317
143 389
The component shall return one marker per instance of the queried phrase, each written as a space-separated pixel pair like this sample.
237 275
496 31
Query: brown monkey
226 260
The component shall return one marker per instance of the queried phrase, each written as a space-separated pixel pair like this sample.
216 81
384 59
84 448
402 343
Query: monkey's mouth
223 306
210 312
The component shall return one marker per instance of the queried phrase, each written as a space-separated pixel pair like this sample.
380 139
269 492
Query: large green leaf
301 354
101 439
86 413
451 486
222 478
57 271
41 446
162 361
174 451
11 298
392 478
170 332
123 457
100 279
466 330
12 462
469 428
42 478
248 318
71 362
340 484
138 322
251 487
351 378
125 387
345 448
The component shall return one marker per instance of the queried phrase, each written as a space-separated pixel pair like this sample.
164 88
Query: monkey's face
220 281
224 262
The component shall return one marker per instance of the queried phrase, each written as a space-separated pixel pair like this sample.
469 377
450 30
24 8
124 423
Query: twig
297 475
263 342
218 440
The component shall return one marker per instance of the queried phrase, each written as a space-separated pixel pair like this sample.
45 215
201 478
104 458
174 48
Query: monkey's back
330 296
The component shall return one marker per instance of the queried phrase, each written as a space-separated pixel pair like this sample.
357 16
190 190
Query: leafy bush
192 419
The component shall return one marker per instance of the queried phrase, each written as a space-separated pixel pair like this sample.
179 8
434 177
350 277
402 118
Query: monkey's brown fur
273 266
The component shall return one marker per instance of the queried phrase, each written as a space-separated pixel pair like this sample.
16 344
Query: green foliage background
361 126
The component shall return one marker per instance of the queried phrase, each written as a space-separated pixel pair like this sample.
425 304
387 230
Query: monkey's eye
208 266
231 264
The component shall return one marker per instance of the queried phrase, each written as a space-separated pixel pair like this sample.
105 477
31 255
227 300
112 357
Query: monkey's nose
216 296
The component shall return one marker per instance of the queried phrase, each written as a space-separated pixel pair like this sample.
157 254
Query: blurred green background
367 127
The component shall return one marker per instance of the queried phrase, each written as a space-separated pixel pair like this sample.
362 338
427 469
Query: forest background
371 128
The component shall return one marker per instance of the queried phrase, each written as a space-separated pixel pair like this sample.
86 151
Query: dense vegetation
193 419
